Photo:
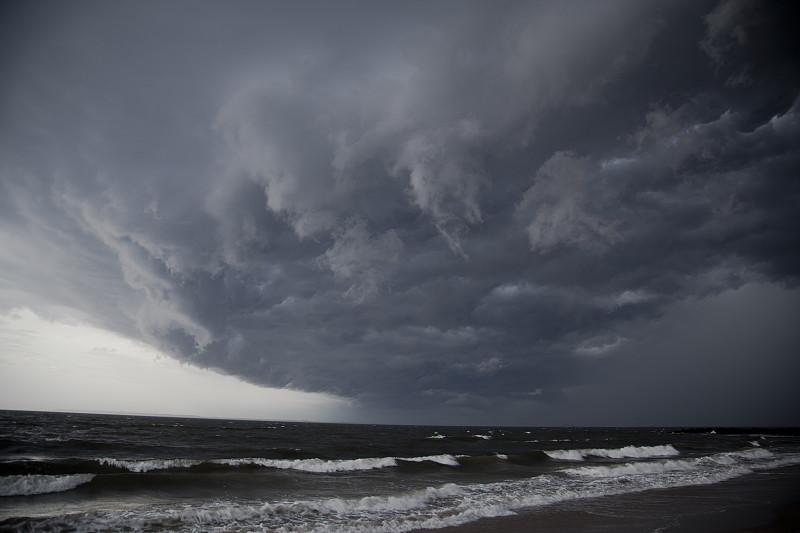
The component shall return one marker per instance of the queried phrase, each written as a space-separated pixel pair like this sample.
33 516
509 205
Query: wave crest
337 465
29 485
146 465
304 465
627 452
431 507
629 469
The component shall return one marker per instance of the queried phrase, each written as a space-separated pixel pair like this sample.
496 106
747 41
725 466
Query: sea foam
29 485
432 507
337 465
303 465
628 469
314 465
147 465
632 452
735 463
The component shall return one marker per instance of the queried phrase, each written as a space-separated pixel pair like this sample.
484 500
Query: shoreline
762 502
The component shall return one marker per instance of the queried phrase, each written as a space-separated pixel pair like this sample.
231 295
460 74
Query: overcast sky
533 213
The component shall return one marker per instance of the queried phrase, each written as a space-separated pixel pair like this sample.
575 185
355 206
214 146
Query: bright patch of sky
56 366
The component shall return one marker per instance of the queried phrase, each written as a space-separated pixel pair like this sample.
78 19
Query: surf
32 484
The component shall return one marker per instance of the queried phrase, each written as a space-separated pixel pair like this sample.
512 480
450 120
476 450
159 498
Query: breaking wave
303 465
727 464
29 485
632 452
148 465
449 504
339 465
629 469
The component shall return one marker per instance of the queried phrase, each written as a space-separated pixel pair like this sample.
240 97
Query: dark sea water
82 472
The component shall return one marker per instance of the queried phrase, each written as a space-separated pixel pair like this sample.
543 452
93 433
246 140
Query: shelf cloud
442 212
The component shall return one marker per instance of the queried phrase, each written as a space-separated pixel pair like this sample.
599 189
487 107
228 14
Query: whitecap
444 459
431 507
336 465
29 485
147 465
315 465
629 469
637 452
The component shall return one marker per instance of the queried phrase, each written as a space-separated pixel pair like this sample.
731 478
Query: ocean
87 472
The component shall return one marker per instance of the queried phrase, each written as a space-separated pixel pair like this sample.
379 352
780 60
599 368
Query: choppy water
82 472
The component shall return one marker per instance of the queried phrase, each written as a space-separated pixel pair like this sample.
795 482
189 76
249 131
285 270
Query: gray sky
419 212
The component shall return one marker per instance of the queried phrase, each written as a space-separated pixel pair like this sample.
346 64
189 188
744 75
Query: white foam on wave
146 465
29 485
431 507
443 459
637 452
337 465
314 465
734 463
629 469
759 453
406 501
303 465
436 507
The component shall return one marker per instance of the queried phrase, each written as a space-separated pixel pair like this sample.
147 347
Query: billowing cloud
361 258
480 208
560 204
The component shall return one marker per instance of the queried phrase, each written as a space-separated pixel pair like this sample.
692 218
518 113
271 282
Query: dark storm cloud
461 205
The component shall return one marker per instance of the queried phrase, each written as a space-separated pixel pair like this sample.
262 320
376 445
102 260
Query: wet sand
765 502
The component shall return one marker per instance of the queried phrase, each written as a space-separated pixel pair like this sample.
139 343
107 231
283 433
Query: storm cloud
445 211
